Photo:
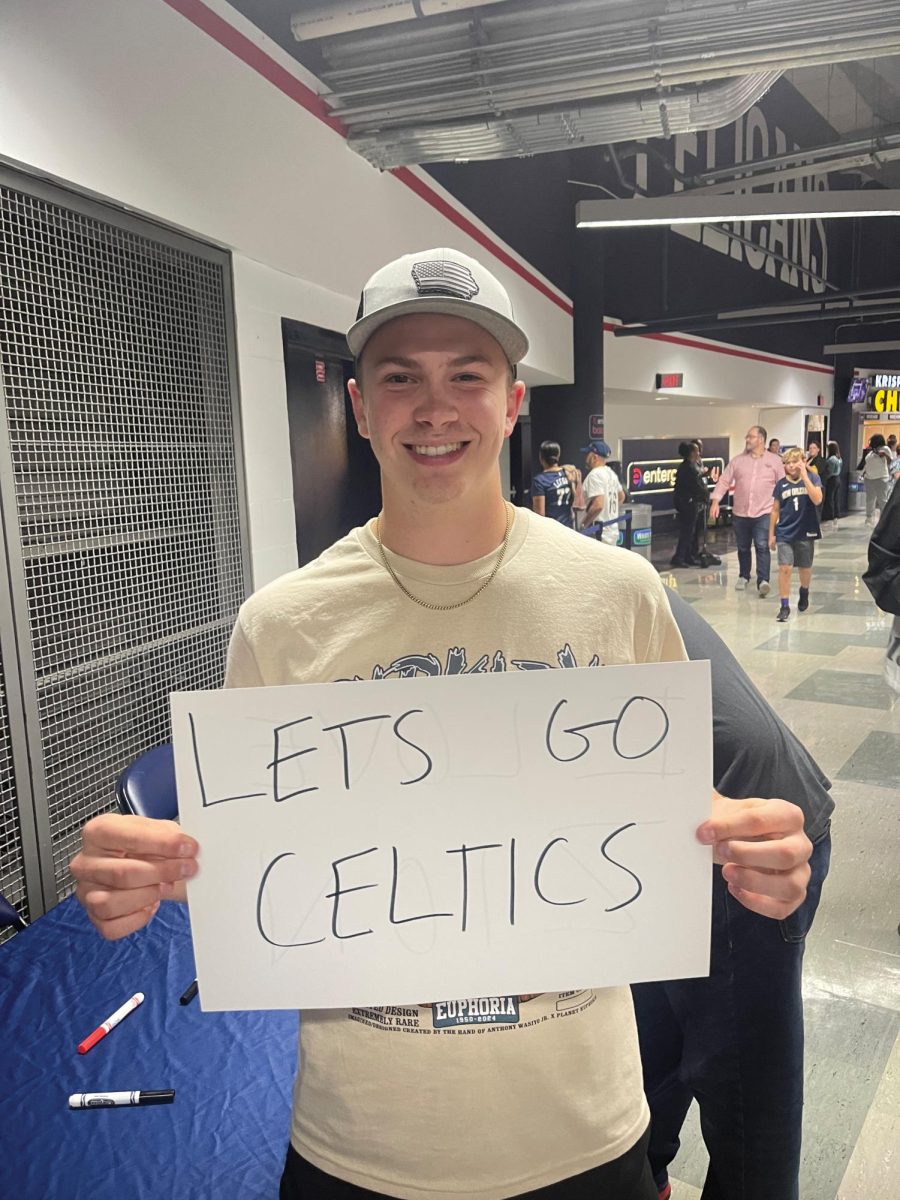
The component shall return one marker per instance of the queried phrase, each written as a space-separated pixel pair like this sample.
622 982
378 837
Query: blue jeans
753 531
734 1042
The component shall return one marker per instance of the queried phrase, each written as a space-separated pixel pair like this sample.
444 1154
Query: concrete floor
823 672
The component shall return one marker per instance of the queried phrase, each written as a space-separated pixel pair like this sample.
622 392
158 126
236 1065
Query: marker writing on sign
638 729
120 1099
535 883
111 1022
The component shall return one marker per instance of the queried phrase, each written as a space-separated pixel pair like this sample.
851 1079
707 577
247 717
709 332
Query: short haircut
762 432
795 454
550 452
686 449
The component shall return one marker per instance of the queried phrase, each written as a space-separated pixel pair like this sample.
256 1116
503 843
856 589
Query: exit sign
664 382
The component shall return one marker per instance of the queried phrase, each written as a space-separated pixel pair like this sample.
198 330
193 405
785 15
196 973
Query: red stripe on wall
255 58
733 352
249 53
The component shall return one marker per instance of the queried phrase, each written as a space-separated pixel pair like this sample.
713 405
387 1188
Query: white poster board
406 841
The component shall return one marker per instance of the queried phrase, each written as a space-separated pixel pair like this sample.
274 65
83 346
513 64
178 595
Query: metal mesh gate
127 564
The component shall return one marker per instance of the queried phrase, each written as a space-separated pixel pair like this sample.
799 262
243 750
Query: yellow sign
887 400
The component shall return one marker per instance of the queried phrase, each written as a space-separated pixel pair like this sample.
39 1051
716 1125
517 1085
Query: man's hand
714 511
771 541
126 866
763 851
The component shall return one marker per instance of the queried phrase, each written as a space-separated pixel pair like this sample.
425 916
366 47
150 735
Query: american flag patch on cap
443 278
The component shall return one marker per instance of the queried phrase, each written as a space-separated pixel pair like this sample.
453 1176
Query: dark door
336 482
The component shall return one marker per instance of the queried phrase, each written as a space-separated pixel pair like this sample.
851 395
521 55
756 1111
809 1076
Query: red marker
119 1015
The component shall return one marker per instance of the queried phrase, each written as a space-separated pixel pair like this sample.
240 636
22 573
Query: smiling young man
450 578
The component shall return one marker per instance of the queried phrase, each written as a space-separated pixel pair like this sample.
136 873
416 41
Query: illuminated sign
595 426
664 382
658 475
859 389
887 381
886 400
641 537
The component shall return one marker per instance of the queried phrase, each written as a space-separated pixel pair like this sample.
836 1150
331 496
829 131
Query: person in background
794 528
690 497
553 490
882 578
814 459
699 549
774 446
892 444
603 492
834 464
734 1041
876 473
754 475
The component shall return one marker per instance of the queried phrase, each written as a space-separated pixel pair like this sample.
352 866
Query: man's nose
436 406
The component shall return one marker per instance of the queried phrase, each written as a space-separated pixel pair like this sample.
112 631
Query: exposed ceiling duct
325 20
525 76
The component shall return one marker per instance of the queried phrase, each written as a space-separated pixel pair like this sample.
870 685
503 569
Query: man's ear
359 407
514 400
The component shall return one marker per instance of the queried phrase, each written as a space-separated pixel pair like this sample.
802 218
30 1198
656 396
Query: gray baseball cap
438 281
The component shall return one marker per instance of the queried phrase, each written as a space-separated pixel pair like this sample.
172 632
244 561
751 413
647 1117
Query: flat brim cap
441 281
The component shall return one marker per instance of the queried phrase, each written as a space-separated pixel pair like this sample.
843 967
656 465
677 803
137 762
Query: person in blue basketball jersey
553 490
794 528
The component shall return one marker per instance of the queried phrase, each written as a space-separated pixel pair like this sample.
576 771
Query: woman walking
834 464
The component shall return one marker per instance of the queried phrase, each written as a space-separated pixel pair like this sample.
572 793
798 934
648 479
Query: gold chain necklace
460 603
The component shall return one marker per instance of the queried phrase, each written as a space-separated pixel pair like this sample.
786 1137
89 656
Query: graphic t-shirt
473 1098
797 517
603 481
558 494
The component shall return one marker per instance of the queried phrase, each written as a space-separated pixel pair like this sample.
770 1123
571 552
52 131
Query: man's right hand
126 866
714 511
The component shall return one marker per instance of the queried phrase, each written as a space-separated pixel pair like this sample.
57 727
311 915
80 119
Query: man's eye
468 377
397 377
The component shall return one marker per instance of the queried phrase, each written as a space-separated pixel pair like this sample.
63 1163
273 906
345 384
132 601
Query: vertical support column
562 413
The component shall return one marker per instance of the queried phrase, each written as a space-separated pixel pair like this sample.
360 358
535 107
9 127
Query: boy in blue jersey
794 527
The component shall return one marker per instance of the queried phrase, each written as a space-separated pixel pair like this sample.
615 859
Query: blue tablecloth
226 1133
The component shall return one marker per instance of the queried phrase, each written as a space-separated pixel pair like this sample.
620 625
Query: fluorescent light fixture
859 347
695 208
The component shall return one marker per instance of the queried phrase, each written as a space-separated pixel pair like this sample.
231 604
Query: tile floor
822 671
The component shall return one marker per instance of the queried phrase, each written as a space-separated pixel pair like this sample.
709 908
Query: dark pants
753 531
698 535
831 510
734 1042
625 1178
686 522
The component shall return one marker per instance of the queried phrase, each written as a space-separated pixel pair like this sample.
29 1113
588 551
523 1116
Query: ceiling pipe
827 314
326 20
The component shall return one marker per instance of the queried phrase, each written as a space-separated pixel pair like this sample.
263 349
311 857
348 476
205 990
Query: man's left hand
763 851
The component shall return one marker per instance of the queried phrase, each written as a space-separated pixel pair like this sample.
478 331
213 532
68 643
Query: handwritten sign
412 841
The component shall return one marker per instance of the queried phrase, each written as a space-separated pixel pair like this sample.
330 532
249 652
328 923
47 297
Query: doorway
336 482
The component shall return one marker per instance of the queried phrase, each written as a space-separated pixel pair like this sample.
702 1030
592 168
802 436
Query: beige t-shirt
479 1098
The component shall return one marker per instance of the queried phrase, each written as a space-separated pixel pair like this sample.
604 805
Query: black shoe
678 562
710 560
783 613
803 603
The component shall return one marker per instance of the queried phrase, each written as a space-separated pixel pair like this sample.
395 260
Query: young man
553 490
794 527
450 577
603 492
753 474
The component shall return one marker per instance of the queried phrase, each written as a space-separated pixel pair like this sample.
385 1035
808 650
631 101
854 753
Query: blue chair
9 916
146 788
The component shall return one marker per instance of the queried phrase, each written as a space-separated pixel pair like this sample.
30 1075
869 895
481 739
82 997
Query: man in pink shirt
754 475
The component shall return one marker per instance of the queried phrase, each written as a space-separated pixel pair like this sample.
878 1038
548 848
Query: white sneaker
763 588
741 585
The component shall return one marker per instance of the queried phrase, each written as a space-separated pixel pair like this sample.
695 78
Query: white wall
623 418
132 102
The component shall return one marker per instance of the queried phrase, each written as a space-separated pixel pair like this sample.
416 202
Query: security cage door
122 496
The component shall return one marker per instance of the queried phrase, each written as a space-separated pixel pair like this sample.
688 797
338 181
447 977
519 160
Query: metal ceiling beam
860 347
826 314
779 306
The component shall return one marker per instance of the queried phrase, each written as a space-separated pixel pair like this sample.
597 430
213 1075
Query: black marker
119 1099
189 994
